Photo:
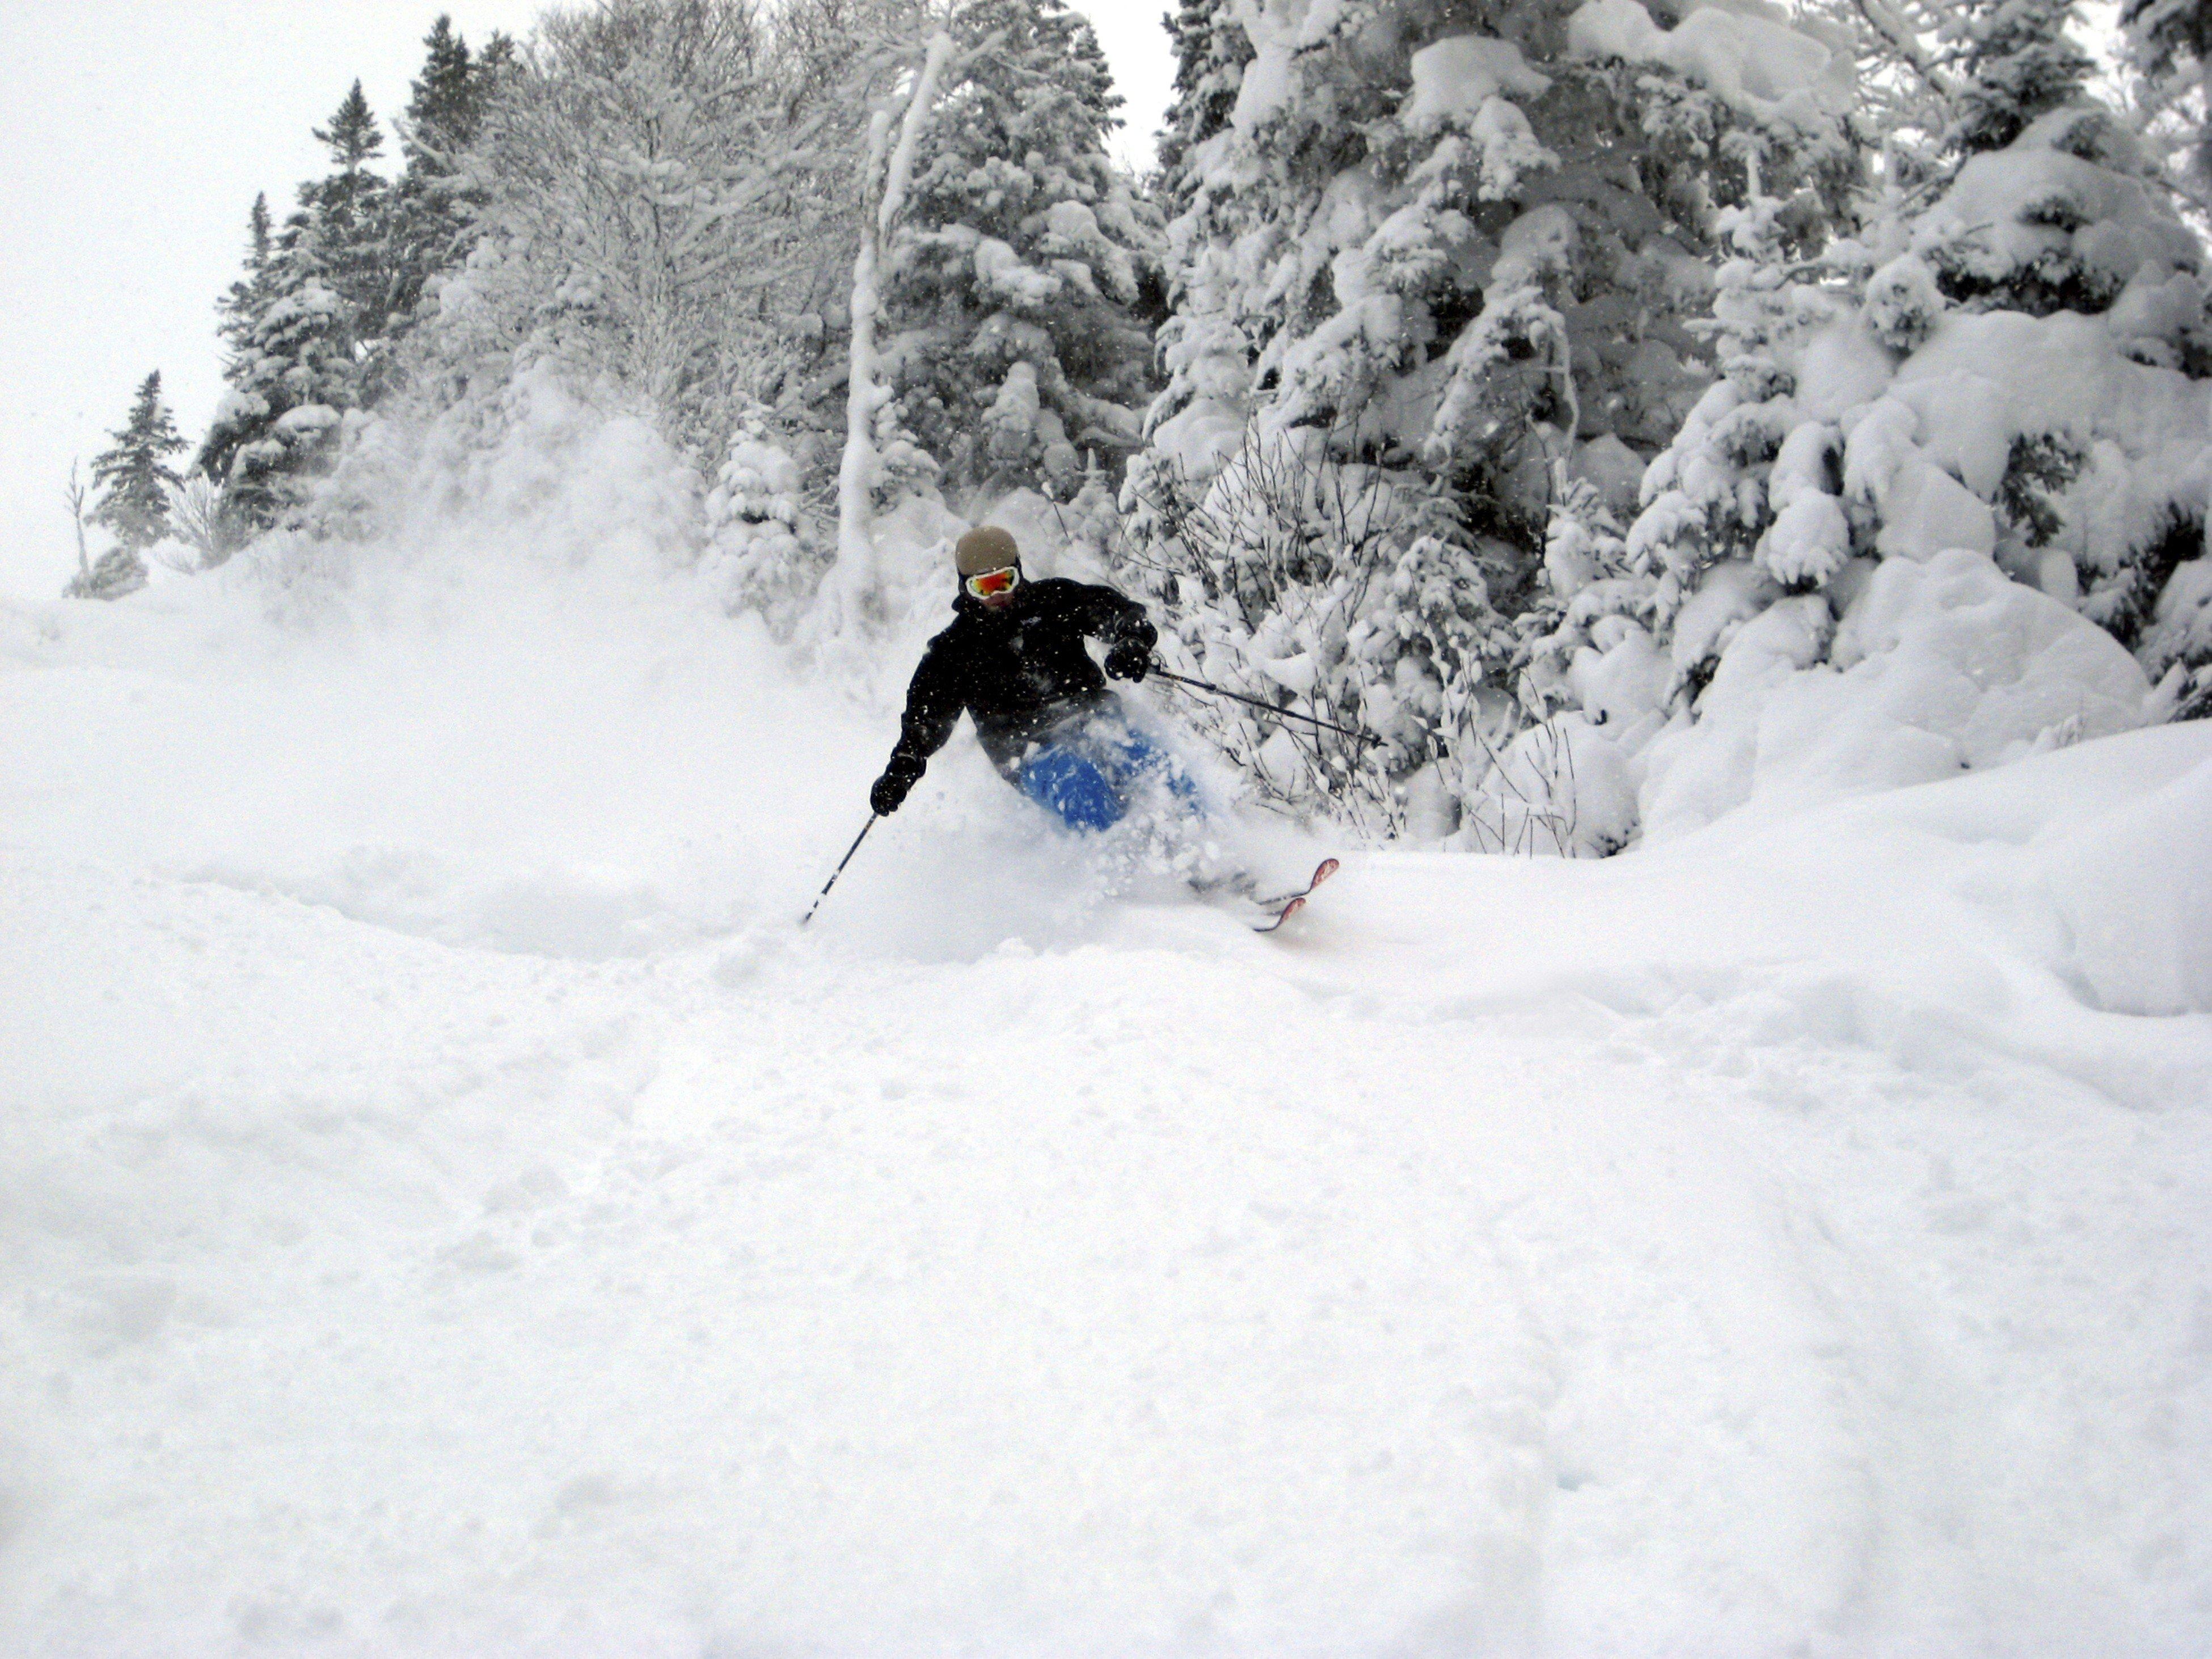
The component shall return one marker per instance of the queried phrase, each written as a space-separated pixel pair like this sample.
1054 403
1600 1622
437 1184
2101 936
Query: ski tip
1322 871
1282 915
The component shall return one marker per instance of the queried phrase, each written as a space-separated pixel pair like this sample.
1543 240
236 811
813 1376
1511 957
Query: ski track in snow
429 1225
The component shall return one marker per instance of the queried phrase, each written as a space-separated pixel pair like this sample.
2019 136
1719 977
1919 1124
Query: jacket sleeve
933 706
1114 617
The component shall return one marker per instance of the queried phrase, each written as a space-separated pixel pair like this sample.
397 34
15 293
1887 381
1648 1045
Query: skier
1013 660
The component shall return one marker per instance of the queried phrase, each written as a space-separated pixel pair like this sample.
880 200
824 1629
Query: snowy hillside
1755 453
449 1208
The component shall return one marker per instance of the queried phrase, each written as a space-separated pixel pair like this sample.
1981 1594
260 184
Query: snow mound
2130 892
1937 667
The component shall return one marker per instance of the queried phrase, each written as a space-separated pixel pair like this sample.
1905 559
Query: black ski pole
1288 714
839 871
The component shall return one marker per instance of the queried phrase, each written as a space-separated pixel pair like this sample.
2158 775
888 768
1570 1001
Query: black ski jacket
1019 671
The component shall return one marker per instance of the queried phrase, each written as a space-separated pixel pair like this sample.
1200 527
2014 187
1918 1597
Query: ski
1322 871
1288 904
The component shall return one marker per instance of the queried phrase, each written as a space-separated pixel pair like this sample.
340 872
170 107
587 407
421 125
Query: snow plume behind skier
1014 660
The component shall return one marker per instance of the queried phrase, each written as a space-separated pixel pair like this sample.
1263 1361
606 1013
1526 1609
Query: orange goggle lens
991 583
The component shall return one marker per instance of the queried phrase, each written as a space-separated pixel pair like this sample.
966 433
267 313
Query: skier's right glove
890 791
1129 661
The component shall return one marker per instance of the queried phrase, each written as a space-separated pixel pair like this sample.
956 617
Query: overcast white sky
136 133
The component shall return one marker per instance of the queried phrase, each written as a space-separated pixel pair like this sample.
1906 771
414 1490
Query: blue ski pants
1087 771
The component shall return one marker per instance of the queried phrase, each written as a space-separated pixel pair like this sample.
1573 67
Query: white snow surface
449 1208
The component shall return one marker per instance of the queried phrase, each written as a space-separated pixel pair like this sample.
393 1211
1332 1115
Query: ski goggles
989 584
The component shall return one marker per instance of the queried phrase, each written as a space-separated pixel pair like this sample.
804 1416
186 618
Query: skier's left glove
1129 661
890 791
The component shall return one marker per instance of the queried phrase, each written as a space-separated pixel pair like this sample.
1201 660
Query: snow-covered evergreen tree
130 474
238 308
1997 385
341 232
134 477
758 557
1012 293
1438 266
2020 61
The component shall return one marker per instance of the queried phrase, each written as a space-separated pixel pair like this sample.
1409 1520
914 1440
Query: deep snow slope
447 1208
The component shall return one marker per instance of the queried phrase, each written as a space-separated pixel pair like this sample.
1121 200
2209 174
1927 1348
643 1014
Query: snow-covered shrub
117 574
1286 577
758 555
1559 787
200 522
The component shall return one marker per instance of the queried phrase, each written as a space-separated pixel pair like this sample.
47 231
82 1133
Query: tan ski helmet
985 548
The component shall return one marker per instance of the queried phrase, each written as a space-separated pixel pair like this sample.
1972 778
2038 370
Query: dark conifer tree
341 235
250 293
442 108
435 204
308 325
498 58
132 472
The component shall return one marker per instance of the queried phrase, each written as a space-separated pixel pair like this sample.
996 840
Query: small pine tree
251 292
132 473
135 476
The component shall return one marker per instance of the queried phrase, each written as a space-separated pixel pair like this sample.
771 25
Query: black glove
1129 661
889 792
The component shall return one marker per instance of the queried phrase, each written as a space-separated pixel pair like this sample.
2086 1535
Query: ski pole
1289 713
839 871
